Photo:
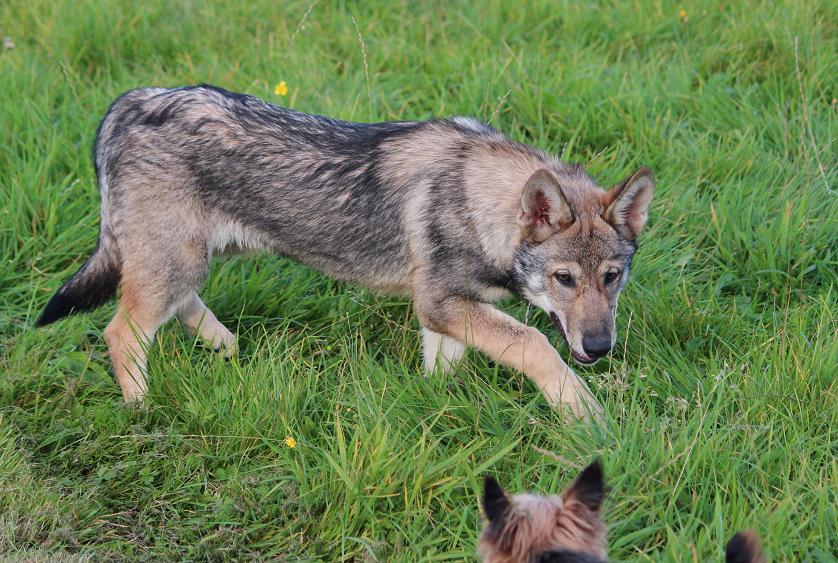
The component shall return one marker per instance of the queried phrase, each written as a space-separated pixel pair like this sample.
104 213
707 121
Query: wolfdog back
260 176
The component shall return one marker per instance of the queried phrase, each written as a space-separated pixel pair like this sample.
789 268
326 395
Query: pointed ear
495 501
544 209
627 204
589 487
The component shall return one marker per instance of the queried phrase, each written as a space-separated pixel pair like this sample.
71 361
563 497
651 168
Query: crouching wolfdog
450 212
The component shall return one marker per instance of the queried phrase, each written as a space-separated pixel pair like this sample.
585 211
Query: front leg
440 351
513 344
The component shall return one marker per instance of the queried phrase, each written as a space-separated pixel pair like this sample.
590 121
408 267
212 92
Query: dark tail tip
744 547
59 306
94 283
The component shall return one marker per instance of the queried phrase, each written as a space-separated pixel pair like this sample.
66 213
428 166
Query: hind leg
155 286
130 335
198 319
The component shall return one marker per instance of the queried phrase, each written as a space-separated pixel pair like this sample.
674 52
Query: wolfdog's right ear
589 487
495 501
627 204
544 209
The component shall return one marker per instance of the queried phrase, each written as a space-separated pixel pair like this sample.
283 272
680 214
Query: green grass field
720 397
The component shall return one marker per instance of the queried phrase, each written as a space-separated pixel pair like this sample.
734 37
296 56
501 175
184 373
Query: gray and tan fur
450 212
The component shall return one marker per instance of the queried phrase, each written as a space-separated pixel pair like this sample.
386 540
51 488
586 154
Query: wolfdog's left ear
543 209
589 487
627 204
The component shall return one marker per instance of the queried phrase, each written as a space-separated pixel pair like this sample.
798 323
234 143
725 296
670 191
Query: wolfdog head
528 528
578 242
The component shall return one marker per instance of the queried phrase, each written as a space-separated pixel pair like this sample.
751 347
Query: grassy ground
721 395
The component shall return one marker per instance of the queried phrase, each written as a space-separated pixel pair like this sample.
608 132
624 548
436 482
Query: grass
720 399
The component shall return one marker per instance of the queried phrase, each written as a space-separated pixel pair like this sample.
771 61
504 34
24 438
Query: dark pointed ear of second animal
627 204
589 487
544 209
495 501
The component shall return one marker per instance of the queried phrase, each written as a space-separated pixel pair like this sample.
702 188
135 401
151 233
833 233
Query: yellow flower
289 441
683 15
281 89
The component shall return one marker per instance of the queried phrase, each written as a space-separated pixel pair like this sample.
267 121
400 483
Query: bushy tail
94 283
744 547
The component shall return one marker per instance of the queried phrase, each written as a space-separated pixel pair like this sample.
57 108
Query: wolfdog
565 528
447 211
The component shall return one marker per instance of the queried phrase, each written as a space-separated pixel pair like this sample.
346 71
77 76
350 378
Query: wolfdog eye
565 279
611 277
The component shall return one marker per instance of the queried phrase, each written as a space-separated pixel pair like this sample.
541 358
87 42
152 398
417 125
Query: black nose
596 345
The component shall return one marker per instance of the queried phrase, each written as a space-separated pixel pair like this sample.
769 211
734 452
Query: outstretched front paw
574 397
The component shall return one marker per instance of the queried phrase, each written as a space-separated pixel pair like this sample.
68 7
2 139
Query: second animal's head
577 246
566 528
529 528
